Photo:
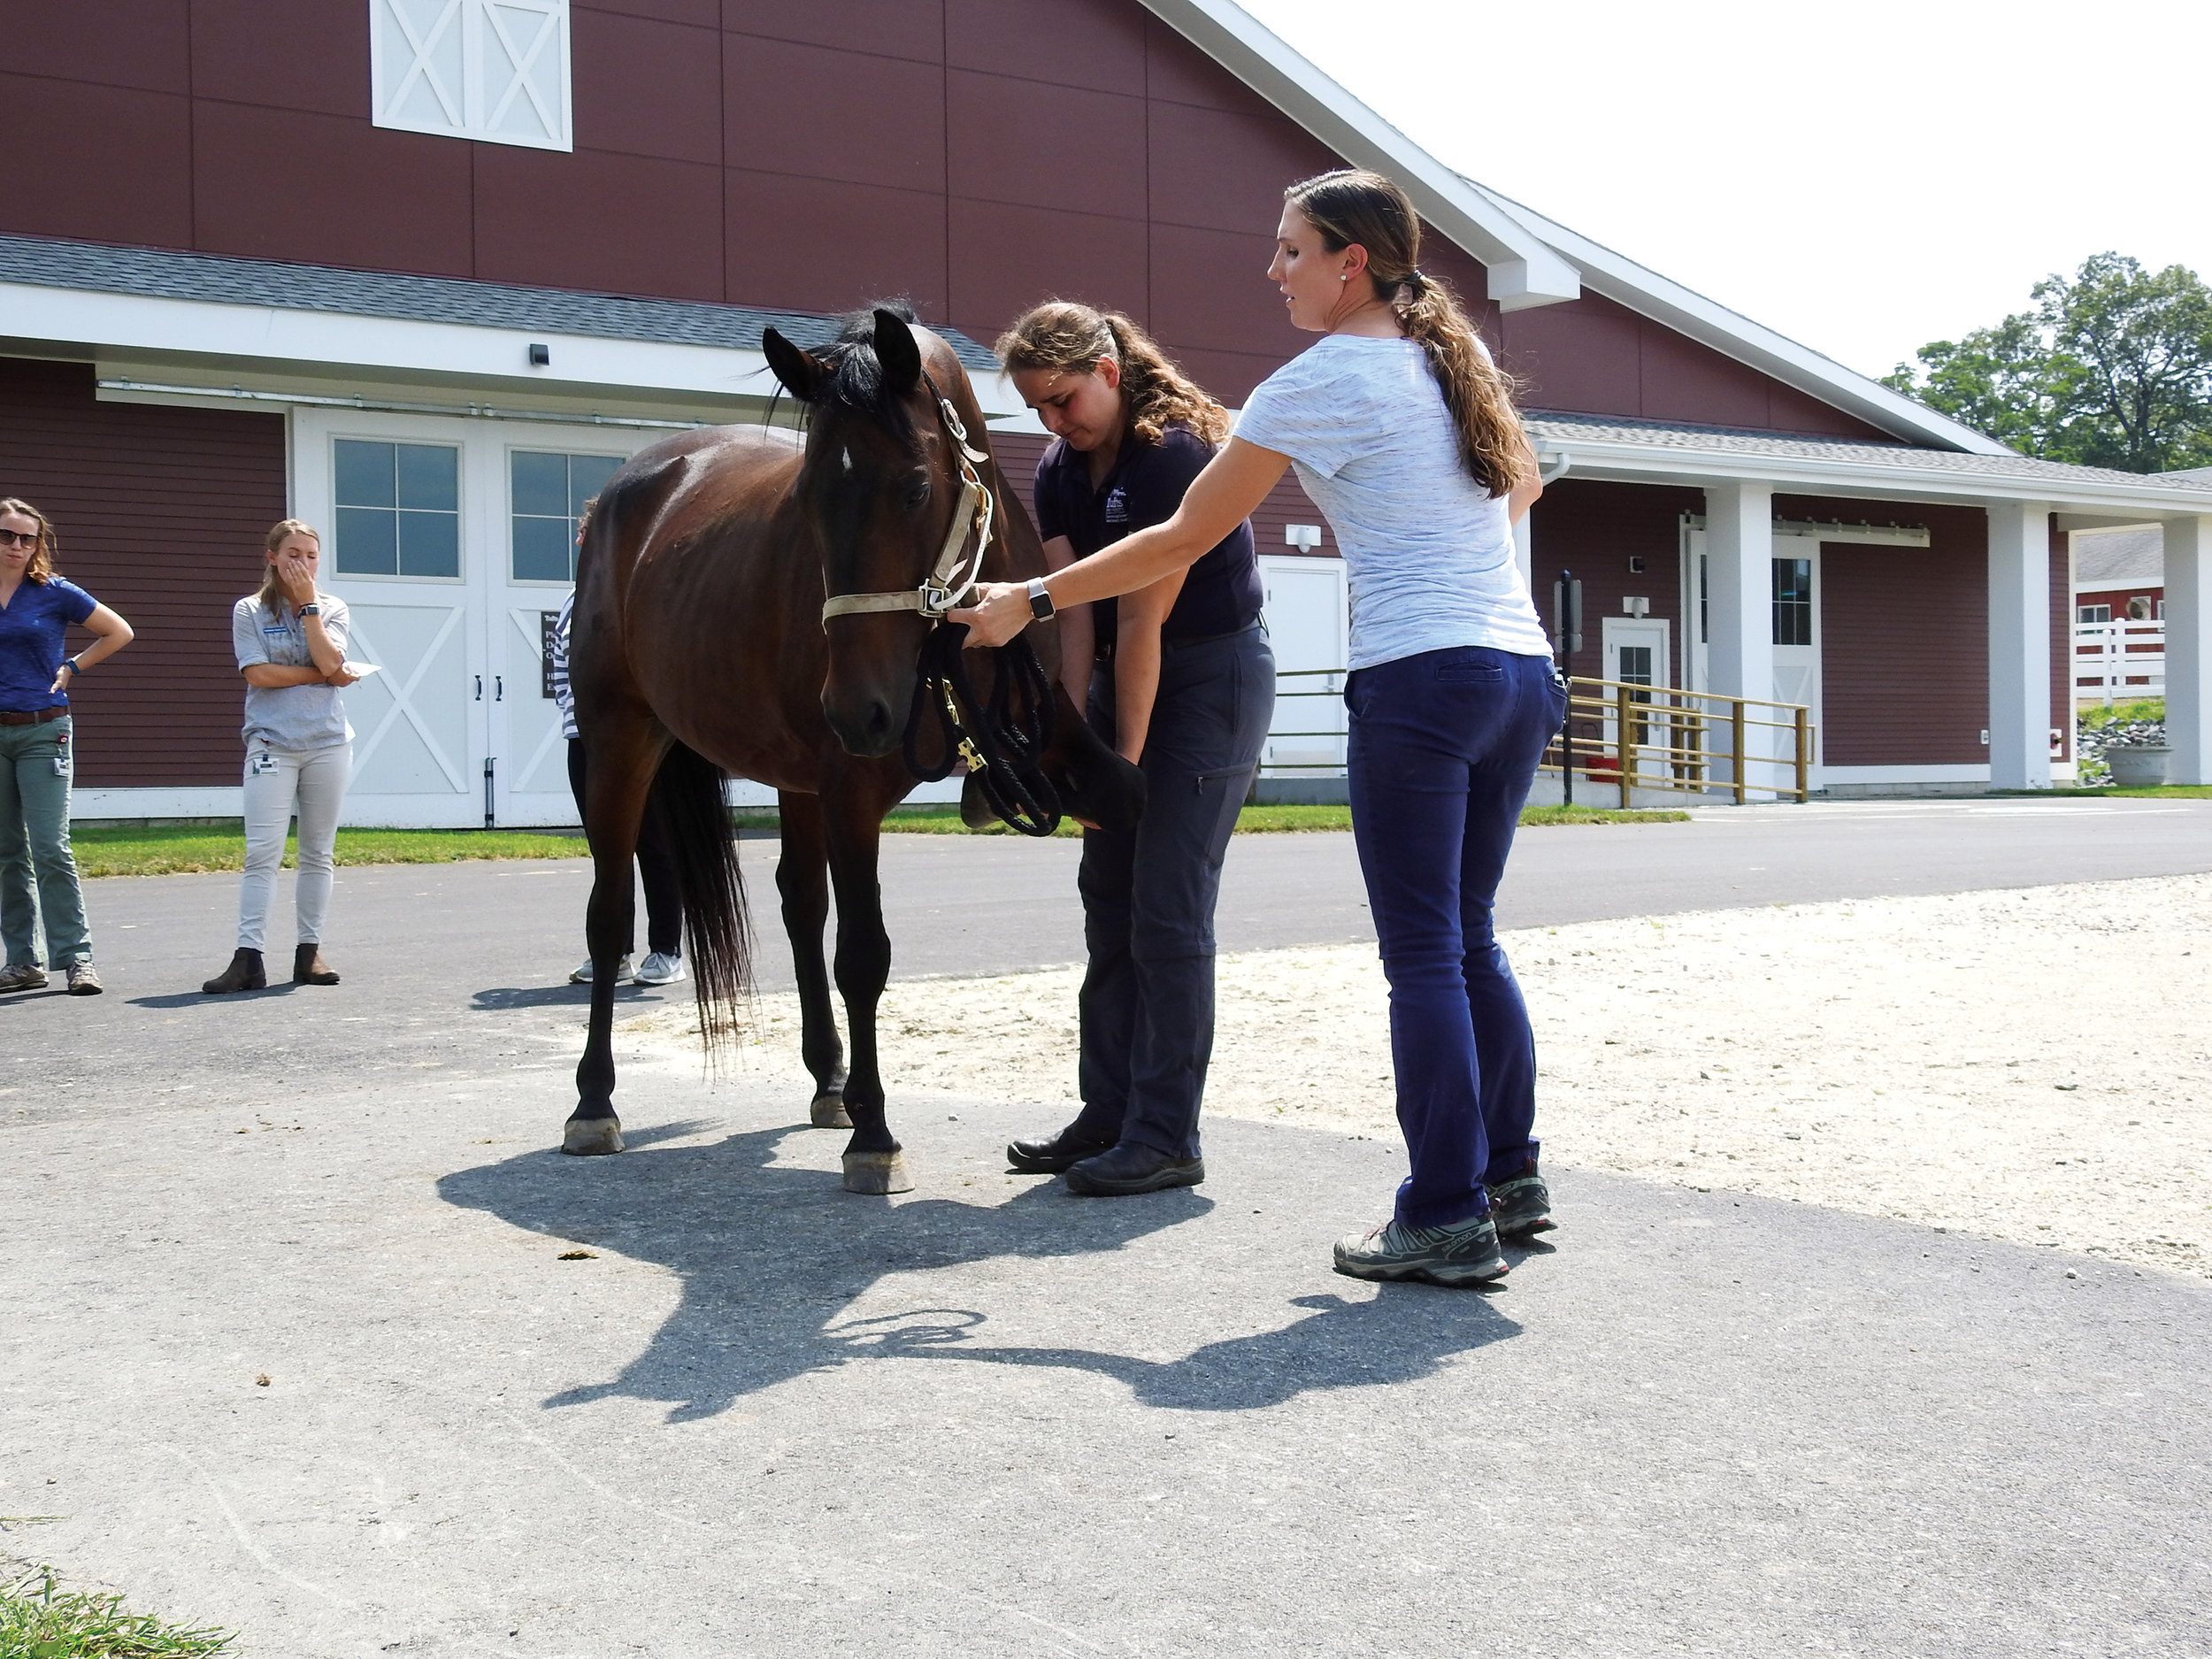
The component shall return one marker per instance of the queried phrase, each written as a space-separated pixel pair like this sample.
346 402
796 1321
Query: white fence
2119 662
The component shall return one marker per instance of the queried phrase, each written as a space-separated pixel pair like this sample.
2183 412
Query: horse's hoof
877 1172
828 1111
592 1137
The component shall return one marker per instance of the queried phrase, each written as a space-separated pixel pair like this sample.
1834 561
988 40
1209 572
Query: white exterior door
1636 655
1797 627
1306 611
450 540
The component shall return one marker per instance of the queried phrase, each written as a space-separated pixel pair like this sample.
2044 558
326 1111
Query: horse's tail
718 938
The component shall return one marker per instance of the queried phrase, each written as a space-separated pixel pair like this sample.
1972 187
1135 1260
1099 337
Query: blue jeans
1444 746
1147 1007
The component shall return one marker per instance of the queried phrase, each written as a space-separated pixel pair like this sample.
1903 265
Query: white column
1740 611
2019 645
2189 649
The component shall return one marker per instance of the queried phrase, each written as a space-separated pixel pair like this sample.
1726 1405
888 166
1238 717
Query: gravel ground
2032 1065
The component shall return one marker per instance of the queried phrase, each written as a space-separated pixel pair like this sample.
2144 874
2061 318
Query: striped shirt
556 668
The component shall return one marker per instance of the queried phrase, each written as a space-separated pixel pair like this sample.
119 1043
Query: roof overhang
267 349
1523 270
1905 478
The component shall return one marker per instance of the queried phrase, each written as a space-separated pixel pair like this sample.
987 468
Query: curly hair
1353 205
1072 337
41 568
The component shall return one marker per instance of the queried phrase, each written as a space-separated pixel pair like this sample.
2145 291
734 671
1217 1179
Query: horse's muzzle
867 728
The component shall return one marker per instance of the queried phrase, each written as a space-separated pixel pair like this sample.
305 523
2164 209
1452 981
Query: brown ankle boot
244 974
308 968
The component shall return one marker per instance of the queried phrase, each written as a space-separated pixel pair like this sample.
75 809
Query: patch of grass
39 1621
2151 710
182 850
2149 792
1600 815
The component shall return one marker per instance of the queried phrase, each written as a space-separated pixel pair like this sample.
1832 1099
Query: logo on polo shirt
1117 506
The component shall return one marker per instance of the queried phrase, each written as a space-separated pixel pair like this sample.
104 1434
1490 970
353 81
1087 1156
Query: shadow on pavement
770 1257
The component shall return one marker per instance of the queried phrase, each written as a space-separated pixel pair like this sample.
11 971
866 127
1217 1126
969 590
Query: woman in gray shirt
291 643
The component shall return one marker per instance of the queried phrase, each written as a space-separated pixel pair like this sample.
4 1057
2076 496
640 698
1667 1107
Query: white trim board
228 802
1524 271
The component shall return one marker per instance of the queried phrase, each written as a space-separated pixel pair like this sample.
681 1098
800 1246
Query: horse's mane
855 378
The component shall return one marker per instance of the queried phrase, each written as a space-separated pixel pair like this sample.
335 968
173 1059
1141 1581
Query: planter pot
2137 765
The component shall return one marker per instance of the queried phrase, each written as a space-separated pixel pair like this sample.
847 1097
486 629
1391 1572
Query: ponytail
1071 338
1357 207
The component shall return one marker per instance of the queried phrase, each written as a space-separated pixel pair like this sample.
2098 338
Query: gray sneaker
1521 1206
582 975
1465 1253
660 967
83 981
22 976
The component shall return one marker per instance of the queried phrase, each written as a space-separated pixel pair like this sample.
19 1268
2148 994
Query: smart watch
1041 605
310 610
72 665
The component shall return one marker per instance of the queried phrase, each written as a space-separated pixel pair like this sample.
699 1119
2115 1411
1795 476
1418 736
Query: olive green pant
34 846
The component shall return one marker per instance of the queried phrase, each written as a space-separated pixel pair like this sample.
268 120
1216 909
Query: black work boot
1129 1168
308 968
244 974
1051 1154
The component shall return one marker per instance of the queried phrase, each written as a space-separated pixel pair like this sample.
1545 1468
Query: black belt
36 717
1210 639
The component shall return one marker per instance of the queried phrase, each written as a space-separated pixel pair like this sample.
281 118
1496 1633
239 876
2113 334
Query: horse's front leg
803 880
618 772
853 819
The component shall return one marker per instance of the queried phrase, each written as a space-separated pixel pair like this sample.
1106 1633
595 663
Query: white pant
280 781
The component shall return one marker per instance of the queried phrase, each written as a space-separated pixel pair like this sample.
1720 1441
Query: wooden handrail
1688 720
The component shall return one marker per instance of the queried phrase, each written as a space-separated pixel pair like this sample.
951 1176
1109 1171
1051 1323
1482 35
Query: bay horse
753 604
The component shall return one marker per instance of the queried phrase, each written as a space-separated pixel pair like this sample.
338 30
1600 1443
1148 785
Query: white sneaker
582 975
663 967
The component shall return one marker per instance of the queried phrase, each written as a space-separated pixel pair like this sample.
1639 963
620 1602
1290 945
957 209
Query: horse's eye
917 492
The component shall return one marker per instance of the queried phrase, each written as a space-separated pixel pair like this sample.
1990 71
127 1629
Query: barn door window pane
547 492
1793 601
496 71
399 509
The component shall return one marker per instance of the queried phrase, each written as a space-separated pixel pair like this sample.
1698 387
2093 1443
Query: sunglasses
27 539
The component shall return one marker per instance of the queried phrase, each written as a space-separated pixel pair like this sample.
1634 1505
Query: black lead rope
1004 747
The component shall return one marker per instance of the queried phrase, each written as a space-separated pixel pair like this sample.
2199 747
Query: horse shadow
771 1256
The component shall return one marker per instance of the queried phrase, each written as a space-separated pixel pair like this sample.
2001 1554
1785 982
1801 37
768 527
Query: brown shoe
308 968
22 976
84 980
244 974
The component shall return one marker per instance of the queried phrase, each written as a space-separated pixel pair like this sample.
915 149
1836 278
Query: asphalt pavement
760 1416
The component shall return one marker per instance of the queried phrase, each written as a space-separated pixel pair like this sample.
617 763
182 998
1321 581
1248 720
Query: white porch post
2189 649
1739 605
2019 645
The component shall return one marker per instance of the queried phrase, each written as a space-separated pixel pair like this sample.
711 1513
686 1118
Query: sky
1864 178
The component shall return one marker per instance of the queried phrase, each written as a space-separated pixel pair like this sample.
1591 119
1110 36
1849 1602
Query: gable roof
2119 558
1532 261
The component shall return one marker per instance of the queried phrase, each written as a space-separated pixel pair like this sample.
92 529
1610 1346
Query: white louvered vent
493 70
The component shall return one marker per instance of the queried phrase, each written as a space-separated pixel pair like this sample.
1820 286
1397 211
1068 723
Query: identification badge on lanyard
263 765
61 754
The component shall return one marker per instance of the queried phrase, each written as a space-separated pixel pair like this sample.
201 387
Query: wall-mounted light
1635 565
1635 605
1304 537
541 356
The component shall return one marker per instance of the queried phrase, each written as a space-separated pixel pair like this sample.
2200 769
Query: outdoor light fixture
1304 537
541 356
1635 605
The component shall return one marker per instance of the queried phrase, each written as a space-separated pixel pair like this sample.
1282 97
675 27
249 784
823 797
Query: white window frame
507 462
395 433
511 54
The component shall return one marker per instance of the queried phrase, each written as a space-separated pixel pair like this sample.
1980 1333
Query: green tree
2113 368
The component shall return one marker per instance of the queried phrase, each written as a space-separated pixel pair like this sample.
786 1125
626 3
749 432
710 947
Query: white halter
947 583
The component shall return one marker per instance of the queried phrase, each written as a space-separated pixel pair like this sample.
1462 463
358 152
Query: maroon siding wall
1594 530
1905 639
161 513
977 155
2118 597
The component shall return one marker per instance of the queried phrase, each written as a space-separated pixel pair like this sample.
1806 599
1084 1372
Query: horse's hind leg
618 774
853 823
803 879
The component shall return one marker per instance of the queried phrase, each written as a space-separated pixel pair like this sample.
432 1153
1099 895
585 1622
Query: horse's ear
898 352
800 374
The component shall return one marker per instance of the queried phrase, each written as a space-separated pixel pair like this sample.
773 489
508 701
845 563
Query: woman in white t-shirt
1404 431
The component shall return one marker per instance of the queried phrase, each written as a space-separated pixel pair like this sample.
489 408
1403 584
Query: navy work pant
1146 1006
1444 746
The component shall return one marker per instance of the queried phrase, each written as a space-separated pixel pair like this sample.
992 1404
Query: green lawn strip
199 848
40 1620
182 850
2149 792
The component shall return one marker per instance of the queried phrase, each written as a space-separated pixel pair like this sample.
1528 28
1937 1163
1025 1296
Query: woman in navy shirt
36 610
1178 677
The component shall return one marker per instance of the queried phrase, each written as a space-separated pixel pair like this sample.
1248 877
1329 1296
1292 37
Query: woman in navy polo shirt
1179 678
36 609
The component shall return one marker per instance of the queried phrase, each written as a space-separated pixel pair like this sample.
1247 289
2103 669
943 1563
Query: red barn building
421 270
